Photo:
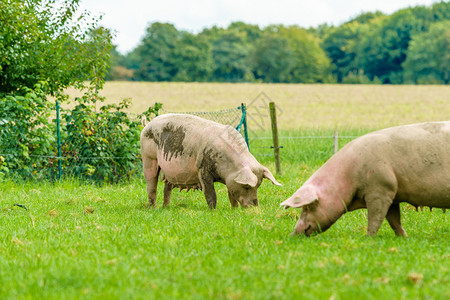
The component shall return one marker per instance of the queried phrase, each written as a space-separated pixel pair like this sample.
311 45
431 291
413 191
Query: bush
27 136
99 146
102 146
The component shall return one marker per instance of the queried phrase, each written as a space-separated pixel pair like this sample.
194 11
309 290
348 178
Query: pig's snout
248 203
302 228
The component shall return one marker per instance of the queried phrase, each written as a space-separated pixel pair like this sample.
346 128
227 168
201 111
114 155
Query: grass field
102 242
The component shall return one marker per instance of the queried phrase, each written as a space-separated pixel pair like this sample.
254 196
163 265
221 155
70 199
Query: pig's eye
310 208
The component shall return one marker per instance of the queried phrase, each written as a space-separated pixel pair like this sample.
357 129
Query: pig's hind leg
167 192
151 171
393 217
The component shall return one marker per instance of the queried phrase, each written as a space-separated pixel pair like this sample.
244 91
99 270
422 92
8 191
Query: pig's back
418 155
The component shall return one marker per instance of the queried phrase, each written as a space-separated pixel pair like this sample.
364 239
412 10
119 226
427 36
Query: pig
193 153
378 171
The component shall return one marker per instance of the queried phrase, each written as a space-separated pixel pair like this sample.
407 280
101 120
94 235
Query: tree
272 59
251 33
440 11
193 58
117 69
156 53
383 48
230 54
167 54
340 44
428 56
311 64
40 42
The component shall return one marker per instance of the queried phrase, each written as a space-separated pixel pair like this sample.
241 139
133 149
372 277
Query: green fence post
244 113
58 133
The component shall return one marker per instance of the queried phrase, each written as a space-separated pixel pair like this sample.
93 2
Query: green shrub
27 136
103 145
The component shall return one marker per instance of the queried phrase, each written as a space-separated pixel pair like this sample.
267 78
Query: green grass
102 242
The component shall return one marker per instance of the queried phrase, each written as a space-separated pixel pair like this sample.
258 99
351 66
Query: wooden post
335 142
276 147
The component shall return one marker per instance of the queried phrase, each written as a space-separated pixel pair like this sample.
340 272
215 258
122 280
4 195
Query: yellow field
300 105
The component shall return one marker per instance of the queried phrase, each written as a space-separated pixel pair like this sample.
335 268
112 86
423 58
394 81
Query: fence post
244 113
58 133
335 142
276 147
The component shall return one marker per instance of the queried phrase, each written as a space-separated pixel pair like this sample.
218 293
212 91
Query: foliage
39 41
358 77
230 56
428 56
118 69
46 47
193 58
372 44
156 53
27 137
311 65
383 50
340 48
102 146
272 58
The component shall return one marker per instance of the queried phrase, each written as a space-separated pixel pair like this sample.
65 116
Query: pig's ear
246 176
301 198
269 176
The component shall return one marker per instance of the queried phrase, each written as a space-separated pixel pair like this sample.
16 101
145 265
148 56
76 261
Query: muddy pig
377 171
193 153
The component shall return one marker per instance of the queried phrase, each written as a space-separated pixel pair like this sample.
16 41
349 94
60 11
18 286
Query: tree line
411 45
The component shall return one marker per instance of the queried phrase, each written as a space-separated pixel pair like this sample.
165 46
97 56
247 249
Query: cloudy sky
130 18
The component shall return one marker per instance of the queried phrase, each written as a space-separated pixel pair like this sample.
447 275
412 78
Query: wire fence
104 145
83 143
235 117
311 148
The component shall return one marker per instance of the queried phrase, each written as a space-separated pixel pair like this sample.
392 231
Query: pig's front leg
207 184
151 170
233 201
377 208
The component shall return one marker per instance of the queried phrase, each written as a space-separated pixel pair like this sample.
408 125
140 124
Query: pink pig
378 171
194 153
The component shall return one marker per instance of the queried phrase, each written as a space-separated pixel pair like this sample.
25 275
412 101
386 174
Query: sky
130 18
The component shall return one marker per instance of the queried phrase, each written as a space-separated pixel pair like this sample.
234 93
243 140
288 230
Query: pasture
78 240
316 106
